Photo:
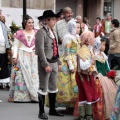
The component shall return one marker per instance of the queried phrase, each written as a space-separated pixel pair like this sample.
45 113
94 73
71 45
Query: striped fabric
84 53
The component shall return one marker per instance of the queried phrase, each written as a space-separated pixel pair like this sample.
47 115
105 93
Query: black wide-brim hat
48 14
40 18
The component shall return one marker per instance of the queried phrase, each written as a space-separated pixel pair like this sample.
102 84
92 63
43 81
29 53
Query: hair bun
26 17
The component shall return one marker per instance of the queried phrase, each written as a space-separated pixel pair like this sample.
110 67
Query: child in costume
85 76
67 94
106 88
46 47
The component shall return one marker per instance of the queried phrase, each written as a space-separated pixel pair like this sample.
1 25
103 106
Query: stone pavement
25 111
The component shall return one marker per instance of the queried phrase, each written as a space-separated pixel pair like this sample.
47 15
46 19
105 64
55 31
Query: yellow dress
67 87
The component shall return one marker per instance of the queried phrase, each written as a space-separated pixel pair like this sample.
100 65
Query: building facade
12 9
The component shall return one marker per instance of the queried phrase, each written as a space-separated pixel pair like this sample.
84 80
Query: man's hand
48 69
59 67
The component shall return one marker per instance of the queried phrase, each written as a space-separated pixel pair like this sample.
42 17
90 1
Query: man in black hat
46 47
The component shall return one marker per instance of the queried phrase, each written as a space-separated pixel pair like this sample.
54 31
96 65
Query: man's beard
68 18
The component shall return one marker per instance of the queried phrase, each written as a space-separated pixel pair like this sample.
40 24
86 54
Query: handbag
2 48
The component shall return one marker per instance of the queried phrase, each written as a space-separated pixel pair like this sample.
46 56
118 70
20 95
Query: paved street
24 111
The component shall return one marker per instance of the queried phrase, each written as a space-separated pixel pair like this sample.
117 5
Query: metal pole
24 8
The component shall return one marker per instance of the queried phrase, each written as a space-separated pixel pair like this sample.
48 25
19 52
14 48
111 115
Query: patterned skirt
87 92
86 87
67 88
24 78
116 111
107 90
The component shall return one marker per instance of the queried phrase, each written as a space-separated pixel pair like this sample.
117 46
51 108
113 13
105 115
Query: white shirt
84 65
2 39
85 28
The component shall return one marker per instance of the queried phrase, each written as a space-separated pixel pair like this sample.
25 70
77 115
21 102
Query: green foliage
14 27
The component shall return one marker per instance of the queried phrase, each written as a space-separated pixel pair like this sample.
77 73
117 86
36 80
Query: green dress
101 64
106 89
102 67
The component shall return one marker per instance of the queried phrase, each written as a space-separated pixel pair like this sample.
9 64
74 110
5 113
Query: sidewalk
25 111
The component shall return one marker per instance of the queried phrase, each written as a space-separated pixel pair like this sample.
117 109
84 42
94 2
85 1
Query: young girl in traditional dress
105 87
85 76
67 86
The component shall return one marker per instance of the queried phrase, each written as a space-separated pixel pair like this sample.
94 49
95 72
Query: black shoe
43 116
88 117
82 118
55 113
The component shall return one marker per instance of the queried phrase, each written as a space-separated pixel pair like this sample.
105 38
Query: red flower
111 74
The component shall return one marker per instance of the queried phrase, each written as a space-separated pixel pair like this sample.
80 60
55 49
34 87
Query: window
108 7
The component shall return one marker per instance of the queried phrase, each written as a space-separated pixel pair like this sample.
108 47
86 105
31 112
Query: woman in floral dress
24 76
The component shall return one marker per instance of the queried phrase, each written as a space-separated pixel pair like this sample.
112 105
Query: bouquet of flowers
14 27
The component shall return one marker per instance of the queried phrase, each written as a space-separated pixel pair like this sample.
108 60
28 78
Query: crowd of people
63 62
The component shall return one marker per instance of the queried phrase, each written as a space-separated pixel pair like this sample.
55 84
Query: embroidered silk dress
67 87
24 76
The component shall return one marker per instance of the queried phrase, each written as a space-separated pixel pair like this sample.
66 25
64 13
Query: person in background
40 23
98 28
0 12
114 47
107 24
46 47
83 26
24 76
4 45
60 15
2 18
86 21
61 26
4 72
9 55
